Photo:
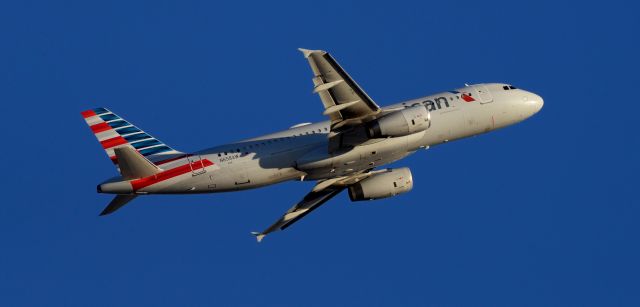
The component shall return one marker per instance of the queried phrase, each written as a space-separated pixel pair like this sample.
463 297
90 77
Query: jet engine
389 183
401 123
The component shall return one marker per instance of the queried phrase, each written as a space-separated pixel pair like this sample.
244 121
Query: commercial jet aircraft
345 152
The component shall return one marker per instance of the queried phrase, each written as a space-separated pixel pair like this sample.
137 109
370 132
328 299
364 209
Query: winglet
307 52
259 236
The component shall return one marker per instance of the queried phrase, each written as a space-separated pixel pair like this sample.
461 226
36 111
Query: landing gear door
484 96
197 166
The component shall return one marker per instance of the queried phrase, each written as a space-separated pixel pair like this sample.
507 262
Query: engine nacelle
401 123
381 185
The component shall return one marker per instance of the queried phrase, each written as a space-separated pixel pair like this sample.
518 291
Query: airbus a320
345 152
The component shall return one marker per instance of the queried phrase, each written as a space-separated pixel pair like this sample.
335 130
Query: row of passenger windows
256 145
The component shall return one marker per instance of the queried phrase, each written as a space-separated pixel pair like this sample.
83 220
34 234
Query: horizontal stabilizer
117 203
134 165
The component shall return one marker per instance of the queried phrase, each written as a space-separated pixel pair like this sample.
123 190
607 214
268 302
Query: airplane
345 152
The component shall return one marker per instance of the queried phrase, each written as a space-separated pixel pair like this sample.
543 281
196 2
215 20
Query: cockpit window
512 87
506 87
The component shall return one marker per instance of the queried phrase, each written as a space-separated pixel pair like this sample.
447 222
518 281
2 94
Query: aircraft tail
113 132
132 165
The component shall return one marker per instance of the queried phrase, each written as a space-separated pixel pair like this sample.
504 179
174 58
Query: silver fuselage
301 152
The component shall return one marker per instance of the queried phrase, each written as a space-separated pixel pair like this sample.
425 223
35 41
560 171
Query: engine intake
381 185
400 123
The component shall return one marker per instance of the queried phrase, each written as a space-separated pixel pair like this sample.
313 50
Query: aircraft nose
537 103
533 103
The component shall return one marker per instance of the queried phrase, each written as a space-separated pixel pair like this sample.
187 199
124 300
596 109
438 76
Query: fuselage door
197 166
484 96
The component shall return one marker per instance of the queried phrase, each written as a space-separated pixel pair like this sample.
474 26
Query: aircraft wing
321 193
344 101
310 202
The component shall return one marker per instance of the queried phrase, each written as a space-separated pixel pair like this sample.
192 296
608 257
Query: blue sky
543 213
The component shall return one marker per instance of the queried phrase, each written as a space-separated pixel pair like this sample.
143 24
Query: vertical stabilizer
112 131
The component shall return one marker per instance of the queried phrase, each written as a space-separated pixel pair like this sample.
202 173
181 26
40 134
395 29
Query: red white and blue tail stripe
112 131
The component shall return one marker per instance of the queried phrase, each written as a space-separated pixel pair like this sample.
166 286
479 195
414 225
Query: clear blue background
544 213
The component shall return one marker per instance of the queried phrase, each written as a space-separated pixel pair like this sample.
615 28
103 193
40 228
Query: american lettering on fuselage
432 104
149 166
